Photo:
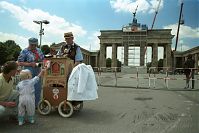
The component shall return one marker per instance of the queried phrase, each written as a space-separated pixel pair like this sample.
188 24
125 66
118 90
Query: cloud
184 32
22 41
53 31
95 41
182 46
144 6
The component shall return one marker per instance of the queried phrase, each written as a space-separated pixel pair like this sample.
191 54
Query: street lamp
41 32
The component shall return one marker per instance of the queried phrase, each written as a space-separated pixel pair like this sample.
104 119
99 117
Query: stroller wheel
44 107
65 109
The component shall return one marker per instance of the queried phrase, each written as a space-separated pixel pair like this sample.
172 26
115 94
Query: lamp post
41 32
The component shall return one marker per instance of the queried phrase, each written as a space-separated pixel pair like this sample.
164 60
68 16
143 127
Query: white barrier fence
137 79
166 77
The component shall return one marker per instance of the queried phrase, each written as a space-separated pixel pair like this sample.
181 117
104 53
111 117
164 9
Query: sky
85 18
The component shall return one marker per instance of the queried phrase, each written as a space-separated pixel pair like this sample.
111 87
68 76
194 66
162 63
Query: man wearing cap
29 58
71 49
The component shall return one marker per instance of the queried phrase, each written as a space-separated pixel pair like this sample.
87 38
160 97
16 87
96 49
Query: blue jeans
6 111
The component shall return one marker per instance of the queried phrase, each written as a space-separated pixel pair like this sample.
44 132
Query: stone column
96 61
196 62
87 59
167 56
126 53
102 55
142 54
154 55
114 55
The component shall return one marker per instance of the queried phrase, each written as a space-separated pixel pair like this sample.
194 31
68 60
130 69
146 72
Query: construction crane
134 23
180 21
156 12
134 13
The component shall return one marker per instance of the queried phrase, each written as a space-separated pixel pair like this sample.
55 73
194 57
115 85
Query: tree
160 64
53 44
119 63
9 50
45 49
3 53
108 62
148 64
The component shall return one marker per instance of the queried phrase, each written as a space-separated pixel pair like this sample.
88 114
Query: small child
26 95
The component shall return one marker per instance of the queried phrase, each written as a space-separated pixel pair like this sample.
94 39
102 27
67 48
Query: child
26 95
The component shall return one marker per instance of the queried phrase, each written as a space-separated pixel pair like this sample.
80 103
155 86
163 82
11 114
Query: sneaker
21 123
32 121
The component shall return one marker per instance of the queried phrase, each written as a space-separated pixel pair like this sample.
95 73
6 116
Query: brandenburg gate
140 38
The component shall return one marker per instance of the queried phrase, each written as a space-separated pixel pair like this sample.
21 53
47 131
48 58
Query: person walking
189 71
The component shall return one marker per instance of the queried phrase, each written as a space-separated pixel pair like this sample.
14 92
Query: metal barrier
153 76
112 77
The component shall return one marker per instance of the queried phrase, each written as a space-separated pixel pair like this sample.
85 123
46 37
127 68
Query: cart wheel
44 107
65 109
78 107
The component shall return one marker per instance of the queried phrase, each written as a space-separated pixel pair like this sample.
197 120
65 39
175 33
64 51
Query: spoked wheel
44 107
78 106
65 109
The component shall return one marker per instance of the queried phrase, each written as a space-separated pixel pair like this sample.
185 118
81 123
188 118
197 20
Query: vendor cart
55 88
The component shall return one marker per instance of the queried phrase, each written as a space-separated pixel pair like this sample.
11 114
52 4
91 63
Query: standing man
29 58
189 70
71 49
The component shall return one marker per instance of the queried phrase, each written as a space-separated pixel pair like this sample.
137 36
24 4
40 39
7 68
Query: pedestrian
189 71
71 49
8 95
29 58
26 95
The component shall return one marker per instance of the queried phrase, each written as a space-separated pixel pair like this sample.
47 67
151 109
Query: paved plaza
125 109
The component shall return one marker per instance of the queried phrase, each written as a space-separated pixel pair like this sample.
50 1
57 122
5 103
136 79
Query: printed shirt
78 56
27 55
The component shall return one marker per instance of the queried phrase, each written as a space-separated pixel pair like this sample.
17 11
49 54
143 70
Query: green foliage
53 44
119 63
9 50
160 64
108 62
45 49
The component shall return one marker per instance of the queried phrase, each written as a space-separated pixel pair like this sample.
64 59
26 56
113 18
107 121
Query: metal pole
41 33
178 26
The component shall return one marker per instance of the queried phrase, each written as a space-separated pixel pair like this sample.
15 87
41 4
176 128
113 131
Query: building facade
179 58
